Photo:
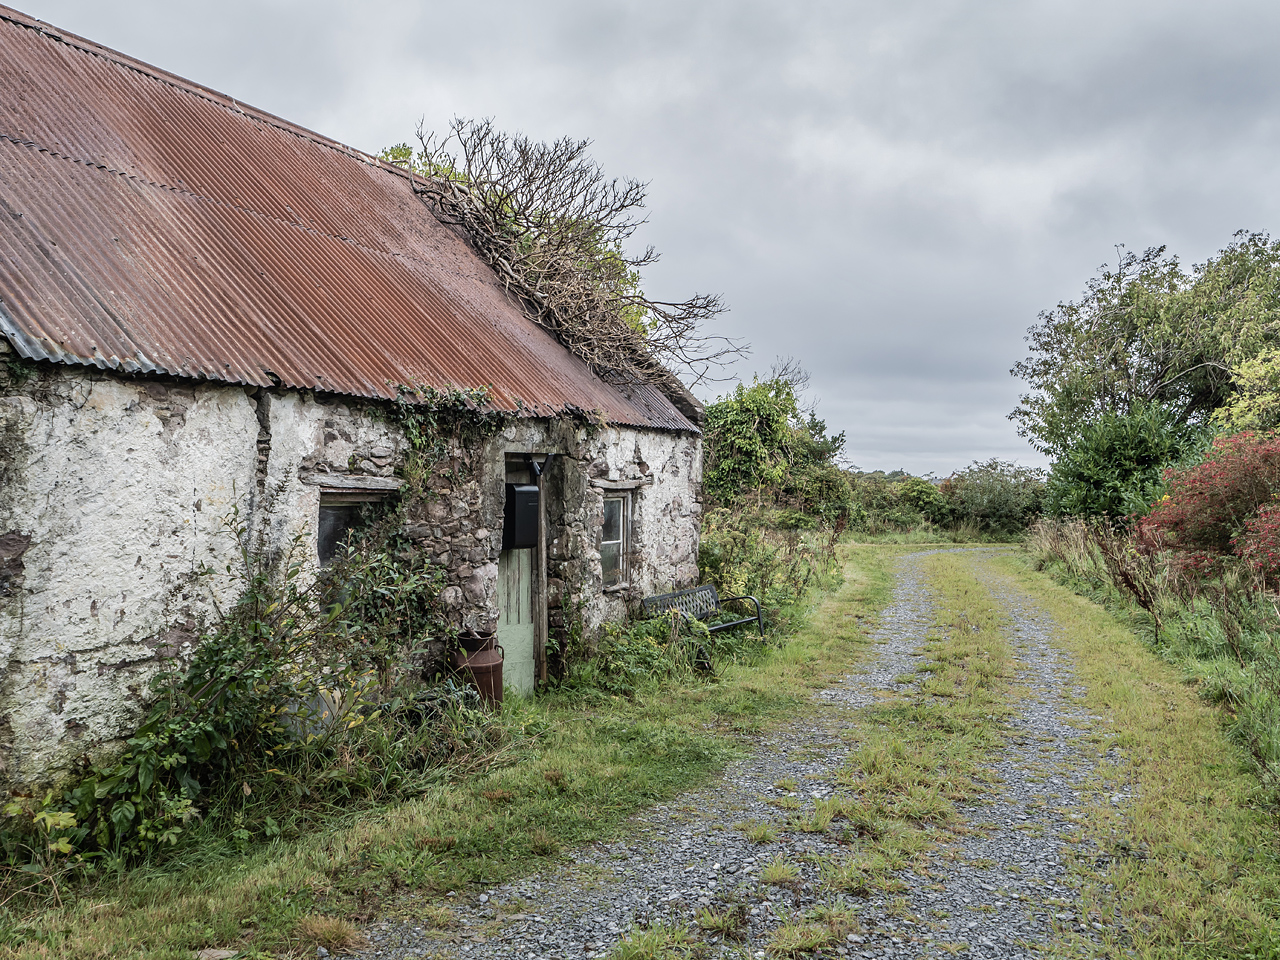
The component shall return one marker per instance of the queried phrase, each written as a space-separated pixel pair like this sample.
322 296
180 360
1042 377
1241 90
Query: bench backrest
696 602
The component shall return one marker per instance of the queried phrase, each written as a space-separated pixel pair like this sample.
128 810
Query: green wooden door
516 631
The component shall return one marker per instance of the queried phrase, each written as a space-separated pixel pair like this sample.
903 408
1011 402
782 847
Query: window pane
612 520
611 563
336 520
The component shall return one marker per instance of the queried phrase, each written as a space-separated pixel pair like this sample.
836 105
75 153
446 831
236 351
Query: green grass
585 764
821 927
925 749
779 872
658 942
1191 861
758 832
724 923
795 939
1190 865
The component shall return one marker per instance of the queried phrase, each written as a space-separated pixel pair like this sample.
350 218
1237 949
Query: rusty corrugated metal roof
150 225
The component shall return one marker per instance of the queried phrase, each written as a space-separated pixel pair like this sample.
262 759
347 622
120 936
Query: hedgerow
1197 572
991 499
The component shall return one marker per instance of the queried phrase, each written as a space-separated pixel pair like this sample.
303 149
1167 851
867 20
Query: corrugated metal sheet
150 225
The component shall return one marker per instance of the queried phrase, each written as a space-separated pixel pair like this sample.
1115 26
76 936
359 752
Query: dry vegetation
554 228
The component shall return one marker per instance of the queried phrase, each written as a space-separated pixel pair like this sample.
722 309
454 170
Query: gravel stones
1000 887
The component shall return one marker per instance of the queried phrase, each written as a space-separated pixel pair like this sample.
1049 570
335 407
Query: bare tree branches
789 370
553 227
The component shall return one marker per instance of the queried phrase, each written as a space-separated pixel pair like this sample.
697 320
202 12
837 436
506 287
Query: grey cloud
889 191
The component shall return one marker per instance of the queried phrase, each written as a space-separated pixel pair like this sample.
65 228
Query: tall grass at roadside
1222 630
1191 865
669 647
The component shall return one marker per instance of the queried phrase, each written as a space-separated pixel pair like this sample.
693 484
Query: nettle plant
298 698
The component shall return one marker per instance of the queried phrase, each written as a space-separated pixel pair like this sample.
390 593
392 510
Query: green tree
748 438
924 497
1256 402
1148 332
1116 466
759 443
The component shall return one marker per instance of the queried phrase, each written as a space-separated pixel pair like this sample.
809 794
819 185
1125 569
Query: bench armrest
759 615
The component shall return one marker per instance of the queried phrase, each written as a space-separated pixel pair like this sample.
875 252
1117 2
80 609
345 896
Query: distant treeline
988 500
772 463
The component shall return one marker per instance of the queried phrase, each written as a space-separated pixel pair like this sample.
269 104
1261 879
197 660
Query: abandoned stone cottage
206 308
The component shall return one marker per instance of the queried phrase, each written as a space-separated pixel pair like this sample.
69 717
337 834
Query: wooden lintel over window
621 484
351 483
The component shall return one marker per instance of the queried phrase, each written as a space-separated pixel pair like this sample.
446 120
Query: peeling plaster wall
114 549
663 473
118 490
317 441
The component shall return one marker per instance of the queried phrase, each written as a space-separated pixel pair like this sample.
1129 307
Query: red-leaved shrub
1259 545
1208 505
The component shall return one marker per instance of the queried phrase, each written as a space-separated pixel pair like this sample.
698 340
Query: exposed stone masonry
115 496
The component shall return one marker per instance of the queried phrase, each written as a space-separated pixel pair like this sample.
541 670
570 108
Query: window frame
624 542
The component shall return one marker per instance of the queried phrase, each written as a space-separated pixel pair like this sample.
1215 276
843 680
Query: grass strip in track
914 757
925 748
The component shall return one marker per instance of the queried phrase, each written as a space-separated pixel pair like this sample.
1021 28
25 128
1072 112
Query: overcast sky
889 191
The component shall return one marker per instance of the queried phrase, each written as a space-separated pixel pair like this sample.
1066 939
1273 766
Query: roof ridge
226 101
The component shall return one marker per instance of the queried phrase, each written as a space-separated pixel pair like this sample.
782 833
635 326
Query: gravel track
1000 887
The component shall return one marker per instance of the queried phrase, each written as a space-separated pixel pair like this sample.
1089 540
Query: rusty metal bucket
473 642
484 670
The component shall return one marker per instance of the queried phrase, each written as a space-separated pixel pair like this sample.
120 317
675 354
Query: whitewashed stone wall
115 497
113 500
114 548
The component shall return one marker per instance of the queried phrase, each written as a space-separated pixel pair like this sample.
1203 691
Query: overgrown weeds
588 763
1222 630
744 552
777 500
670 647
299 701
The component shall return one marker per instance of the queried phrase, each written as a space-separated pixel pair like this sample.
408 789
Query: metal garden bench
700 603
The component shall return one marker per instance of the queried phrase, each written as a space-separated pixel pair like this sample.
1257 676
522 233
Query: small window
336 521
613 541
341 511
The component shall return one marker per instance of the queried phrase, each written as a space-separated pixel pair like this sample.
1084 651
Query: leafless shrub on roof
554 227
